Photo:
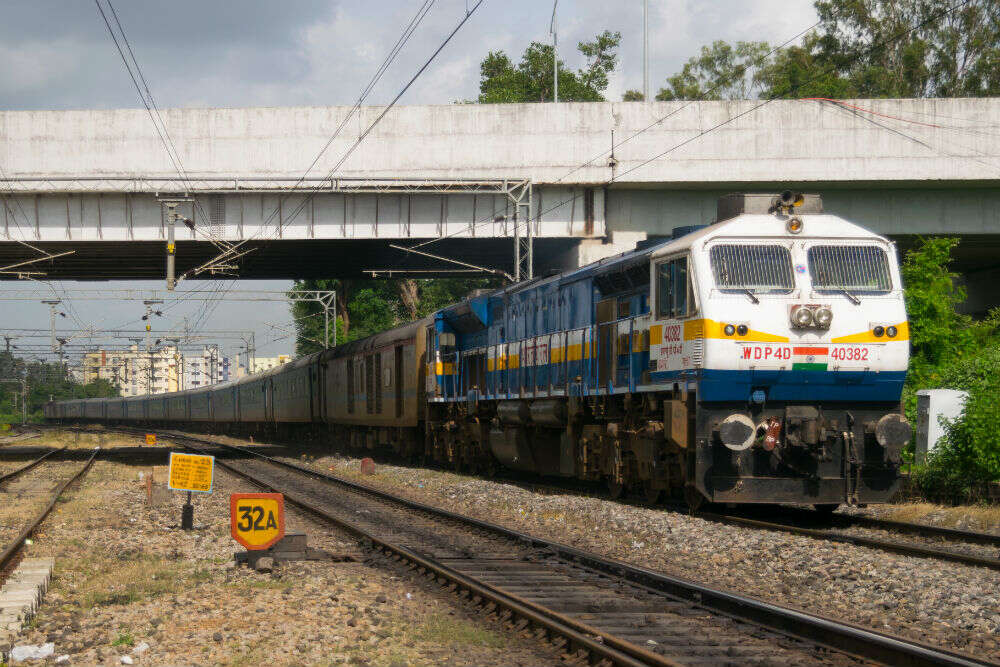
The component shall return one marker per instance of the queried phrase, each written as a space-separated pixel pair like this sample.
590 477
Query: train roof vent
733 205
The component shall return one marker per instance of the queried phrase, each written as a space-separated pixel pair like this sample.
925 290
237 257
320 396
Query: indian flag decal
809 358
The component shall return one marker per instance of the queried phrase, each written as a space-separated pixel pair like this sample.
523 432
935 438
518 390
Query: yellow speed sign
257 520
190 472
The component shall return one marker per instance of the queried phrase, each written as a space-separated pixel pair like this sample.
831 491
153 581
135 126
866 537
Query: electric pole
555 54
645 50
52 303
171 256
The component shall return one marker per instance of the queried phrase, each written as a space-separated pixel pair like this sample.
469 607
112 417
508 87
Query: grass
124 638
138 579
982 517
442 630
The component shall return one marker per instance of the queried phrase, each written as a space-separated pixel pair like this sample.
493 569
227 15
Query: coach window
674 297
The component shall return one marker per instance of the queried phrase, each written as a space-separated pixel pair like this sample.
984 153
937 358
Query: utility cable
826 71
390 57
378 119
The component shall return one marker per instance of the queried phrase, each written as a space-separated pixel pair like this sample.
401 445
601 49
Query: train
759 359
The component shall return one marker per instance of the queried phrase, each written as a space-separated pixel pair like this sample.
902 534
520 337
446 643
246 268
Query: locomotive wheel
615 489
490 468
693 498
651 494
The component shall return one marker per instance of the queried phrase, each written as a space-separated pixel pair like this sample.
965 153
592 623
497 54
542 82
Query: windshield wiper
753 297
855 300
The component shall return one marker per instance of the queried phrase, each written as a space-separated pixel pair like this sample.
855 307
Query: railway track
11 439
605 610
959 546
965 547
14 474
10 555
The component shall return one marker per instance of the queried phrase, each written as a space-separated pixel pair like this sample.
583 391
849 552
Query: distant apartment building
137 372
261 364
207 367
134 371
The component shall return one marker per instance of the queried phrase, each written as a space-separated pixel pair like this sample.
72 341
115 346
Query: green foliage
45 381
500 81
633 96
938 333
720 72
124 638
969 454
949 350
861 48
366 307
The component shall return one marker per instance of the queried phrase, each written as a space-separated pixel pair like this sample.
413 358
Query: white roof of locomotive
759 226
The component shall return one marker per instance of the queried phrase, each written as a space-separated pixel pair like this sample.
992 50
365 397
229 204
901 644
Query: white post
555 54
645 50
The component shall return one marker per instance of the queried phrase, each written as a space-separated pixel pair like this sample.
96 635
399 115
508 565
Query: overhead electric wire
390 57
866 52
154 113
757 63
371 125
921 141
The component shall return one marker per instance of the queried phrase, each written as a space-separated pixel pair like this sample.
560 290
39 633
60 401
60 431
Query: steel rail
14 547
903 548
11 439
858 641
578 635
20 471
955 534
843 520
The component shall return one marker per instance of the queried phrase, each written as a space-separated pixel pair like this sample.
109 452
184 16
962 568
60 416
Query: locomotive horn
786 200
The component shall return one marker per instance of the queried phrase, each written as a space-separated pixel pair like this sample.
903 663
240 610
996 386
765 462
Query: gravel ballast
942 603
130 588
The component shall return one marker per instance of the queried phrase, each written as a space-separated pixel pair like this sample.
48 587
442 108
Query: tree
633 96
366 307
951 350
500 81
861 48
720 72
45 381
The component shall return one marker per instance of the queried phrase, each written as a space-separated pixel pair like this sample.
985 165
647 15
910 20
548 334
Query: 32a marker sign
257 520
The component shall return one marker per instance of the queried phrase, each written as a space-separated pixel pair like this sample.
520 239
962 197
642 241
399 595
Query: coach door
398 379
606 311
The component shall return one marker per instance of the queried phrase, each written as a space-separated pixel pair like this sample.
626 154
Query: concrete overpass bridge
470 179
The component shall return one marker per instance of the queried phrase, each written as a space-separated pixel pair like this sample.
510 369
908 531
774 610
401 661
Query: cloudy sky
56 54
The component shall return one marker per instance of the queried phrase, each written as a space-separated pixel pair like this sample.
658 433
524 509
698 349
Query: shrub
968 456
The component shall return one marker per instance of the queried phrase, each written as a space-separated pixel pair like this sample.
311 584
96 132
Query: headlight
730 329
801 316
891 332
823 317
878 331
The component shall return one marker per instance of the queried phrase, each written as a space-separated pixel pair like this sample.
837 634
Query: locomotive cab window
674 291
850 268
755 268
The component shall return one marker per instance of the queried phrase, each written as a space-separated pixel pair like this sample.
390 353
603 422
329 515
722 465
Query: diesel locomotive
760 359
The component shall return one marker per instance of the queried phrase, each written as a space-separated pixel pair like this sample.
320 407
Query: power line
366 91
865 53
154 113
371 126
